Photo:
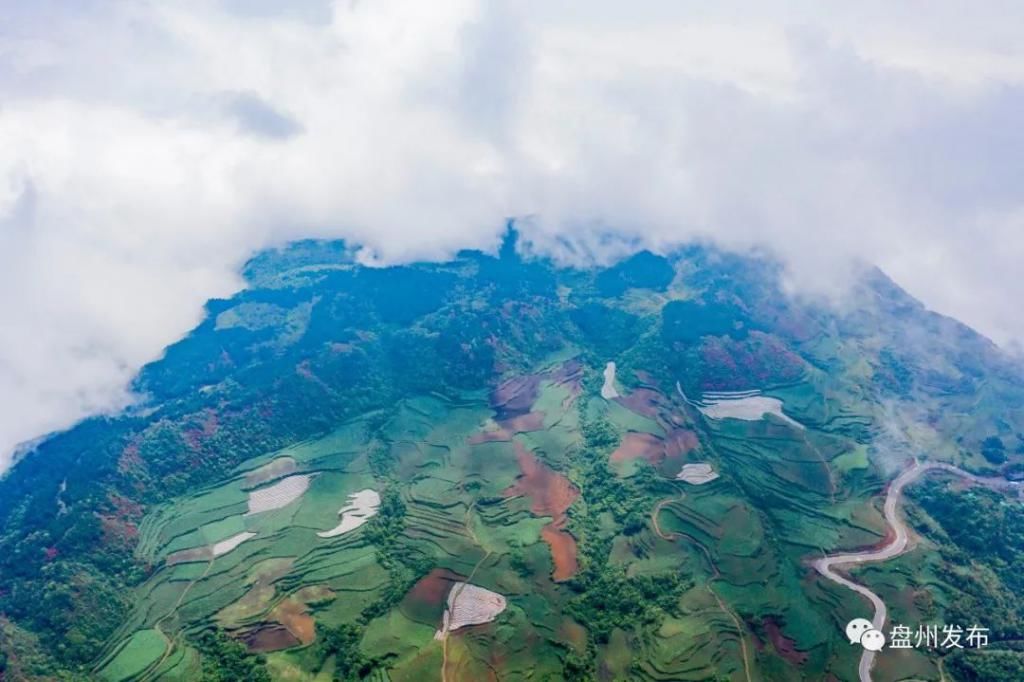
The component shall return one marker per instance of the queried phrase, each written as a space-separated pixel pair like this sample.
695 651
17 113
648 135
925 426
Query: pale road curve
896 546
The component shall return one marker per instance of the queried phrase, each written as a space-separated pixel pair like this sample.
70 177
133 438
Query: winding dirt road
896 546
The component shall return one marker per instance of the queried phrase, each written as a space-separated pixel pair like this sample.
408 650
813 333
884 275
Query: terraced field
291 542
639 463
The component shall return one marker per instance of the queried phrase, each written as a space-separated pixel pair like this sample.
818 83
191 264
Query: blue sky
146 149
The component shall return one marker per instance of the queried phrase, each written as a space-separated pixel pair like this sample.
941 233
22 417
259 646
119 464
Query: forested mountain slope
433 472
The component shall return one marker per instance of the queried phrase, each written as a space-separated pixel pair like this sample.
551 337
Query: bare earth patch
470 604
563 549
523 423
504 430
515 396
425 602
697 473
643 401
570 375
361 507
278 495
497 435
269 638
637 445
551 494
680 441
293 614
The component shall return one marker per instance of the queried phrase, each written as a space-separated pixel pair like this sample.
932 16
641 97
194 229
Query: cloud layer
146 149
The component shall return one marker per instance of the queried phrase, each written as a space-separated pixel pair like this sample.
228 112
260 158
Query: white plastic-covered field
608 390
470 604
225 546
745 405
697 473
361 507
278 495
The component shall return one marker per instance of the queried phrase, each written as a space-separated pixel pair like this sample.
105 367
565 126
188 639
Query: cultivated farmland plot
490 488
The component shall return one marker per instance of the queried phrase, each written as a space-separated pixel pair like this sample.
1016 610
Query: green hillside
338 453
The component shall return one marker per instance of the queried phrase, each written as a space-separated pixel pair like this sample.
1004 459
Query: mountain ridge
317 340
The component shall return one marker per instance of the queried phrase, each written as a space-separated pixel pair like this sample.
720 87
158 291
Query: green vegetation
342 644
225 660
402 566
606 598
644 270
986 666
143 649
610 600
466 394
980 534
993 449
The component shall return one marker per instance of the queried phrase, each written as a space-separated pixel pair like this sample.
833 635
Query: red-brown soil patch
637 445
515 396
490 437
570 375
643 401
269 638
433 587
681 441
523 423
784 646
293 614
569 370
563 550
425 602
551 494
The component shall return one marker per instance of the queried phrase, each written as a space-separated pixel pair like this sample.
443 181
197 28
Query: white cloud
146 149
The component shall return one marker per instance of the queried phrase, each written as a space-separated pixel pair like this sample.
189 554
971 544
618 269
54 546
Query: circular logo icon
856 628
872 640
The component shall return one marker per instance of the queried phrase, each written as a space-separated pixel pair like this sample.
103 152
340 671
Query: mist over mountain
147 151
